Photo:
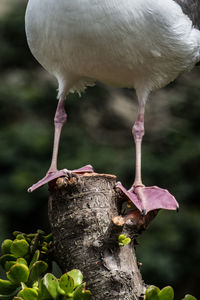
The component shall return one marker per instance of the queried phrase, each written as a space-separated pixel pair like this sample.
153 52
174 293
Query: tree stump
81 213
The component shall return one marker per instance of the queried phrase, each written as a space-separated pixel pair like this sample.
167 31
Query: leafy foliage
167 293
123 240
27 261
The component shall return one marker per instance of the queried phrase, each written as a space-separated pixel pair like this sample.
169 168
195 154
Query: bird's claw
143 212
69 174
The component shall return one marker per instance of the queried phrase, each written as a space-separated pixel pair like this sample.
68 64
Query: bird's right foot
148 198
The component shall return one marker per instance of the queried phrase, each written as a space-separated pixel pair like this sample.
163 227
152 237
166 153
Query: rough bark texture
85 237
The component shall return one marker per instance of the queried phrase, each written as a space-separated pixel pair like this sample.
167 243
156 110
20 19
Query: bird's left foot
53 175
149 198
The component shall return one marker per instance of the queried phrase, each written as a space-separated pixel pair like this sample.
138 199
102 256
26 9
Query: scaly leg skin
146 198
53 172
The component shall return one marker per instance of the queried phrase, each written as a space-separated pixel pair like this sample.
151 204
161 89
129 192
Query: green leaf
20 237
123 240
18 273
8 265
15 233
23 285
7 287
120 244
5 246
60 290
167 293
81 294
22 261
43 293
44 249
77 277
35 243
152 293
189 297
121 237
41 232
19 248
126 241
18 298
6 257
66 283
37 270
35 258
52 285
48 238
31 235
28 294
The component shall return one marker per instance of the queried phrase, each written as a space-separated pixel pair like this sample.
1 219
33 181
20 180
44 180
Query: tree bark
85 214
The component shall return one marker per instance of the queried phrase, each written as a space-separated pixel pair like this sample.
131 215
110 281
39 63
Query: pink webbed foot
150 198
53 175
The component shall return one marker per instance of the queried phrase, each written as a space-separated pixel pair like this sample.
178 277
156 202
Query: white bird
141 44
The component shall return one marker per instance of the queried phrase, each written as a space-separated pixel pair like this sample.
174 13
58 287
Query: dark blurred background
99 132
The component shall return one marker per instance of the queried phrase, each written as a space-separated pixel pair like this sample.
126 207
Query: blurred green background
99 132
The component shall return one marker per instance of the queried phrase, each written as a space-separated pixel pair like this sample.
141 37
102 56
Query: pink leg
59 120
146 198
138 133
53 173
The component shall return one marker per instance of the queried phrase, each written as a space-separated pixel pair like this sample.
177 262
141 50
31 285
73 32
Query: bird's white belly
128 43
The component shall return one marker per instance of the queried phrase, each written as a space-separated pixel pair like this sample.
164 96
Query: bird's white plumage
143 44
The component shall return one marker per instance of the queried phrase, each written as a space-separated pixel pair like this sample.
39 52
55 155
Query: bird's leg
145 198
53 173
59 120
138 133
